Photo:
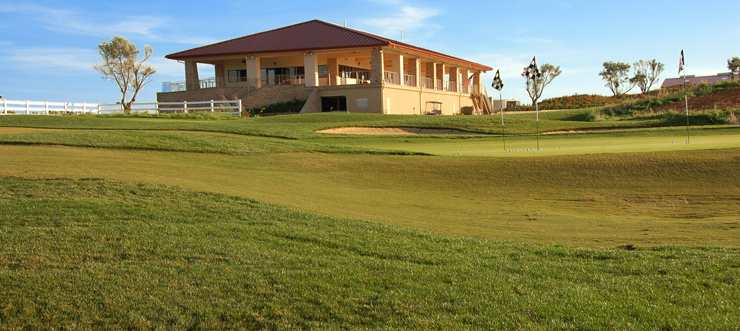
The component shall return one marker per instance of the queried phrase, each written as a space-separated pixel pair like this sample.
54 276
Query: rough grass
95 254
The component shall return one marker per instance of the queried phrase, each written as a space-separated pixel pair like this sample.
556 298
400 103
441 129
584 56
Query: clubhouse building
333 68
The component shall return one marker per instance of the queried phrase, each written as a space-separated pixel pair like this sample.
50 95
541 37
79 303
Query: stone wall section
270 94
332 70
224 93
377 66
192 82
313 103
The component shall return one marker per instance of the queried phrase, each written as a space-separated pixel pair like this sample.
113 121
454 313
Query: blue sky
47 47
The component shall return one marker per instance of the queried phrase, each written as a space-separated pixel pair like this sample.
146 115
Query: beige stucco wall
399 100
372 93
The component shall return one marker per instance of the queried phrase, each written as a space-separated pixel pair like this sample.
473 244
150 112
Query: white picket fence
25 107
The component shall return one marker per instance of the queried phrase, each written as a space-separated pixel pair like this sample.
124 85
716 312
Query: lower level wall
414 102
360 98
373 98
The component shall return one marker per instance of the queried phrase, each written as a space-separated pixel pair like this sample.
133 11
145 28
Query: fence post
98 109
27 112
156 107
83 108
185 105
46 107
65 107
5 107
211 106
240 107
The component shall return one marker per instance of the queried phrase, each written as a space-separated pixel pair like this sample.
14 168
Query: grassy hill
262 223
96 254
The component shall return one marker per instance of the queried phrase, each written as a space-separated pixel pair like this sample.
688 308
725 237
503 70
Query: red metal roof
668 82
311 35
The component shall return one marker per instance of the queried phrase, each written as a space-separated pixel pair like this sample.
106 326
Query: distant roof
668 82
310 35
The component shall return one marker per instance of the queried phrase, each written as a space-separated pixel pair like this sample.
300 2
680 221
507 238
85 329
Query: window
237 76
322 71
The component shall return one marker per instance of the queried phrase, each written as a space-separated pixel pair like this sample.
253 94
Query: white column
397 61
253 71
311 68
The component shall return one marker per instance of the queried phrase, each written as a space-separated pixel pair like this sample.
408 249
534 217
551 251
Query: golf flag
469 81
532 71
680 64
497 83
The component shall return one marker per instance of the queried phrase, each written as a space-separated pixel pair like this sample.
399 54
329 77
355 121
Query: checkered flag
680 64
497 83
532 72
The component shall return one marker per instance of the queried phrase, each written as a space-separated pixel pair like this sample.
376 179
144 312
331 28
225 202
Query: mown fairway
469 241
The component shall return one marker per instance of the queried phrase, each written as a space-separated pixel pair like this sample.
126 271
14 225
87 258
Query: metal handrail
349 78
391 77
426 83
409 80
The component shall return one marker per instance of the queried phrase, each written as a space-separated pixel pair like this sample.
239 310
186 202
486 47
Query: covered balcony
346 68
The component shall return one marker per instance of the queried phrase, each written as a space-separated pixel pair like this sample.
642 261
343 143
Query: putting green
554 145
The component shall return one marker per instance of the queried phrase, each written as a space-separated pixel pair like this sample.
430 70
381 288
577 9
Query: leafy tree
616 75
548 72
119 62
734 65
647 73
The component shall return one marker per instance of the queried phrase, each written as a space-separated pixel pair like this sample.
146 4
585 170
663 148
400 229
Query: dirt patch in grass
368 130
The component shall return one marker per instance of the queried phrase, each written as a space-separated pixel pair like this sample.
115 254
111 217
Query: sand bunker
365 130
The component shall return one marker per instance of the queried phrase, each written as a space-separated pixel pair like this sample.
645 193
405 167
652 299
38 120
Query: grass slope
92 254
606 200
304 126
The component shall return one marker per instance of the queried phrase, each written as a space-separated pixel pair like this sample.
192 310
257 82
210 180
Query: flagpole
537 111
686 97
503 128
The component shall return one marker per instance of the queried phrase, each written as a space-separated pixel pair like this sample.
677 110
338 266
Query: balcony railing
283 79
391 77
439 85
427 83
409 80
349 78
450 86
181 85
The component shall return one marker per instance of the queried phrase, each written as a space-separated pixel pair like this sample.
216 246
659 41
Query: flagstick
503 128
686 96
537 110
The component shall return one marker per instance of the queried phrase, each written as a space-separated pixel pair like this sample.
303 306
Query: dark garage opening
333 103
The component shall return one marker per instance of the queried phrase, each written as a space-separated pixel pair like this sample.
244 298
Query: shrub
293 106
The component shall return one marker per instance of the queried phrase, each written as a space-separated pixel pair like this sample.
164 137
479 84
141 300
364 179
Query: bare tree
547 72
734 65
616 75
119 62
647 73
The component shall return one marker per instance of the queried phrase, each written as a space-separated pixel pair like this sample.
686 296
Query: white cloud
72 60
149 28
403 18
